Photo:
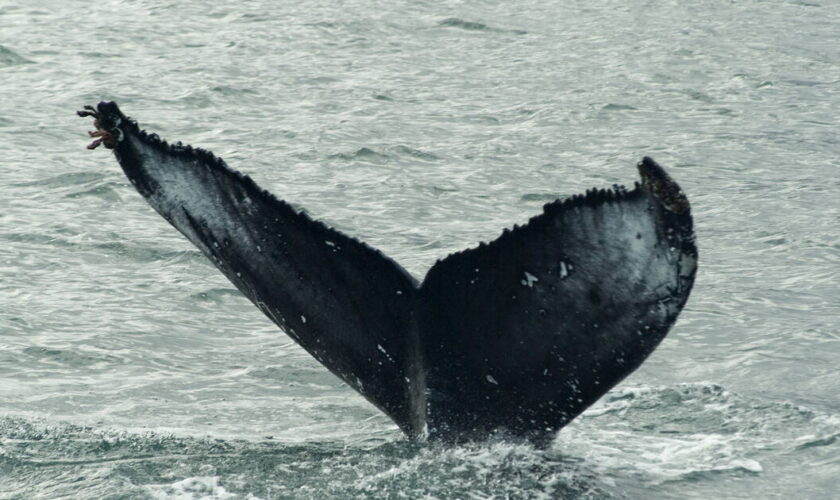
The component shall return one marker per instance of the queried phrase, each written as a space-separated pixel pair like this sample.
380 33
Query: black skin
515 337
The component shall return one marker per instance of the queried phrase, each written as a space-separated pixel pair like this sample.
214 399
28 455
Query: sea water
130 368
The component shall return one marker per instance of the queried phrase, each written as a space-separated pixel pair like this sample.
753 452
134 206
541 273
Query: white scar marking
529 280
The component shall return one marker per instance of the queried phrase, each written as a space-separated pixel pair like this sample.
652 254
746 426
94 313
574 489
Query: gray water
130 368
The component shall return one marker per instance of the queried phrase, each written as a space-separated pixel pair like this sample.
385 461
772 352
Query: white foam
194 488
611 444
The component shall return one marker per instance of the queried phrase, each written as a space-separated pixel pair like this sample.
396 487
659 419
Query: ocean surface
130 368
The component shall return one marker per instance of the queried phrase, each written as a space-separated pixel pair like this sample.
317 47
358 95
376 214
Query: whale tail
519 335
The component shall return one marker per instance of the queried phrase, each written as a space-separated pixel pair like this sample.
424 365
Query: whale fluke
516 336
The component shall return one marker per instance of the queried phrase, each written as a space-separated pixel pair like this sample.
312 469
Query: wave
8 57
367 154
454 22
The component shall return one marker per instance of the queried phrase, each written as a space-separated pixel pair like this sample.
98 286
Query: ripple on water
231 91
8 57
105 192
362 154
117 248
414 153
73 358
454 22
65 180
543 197
216 295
